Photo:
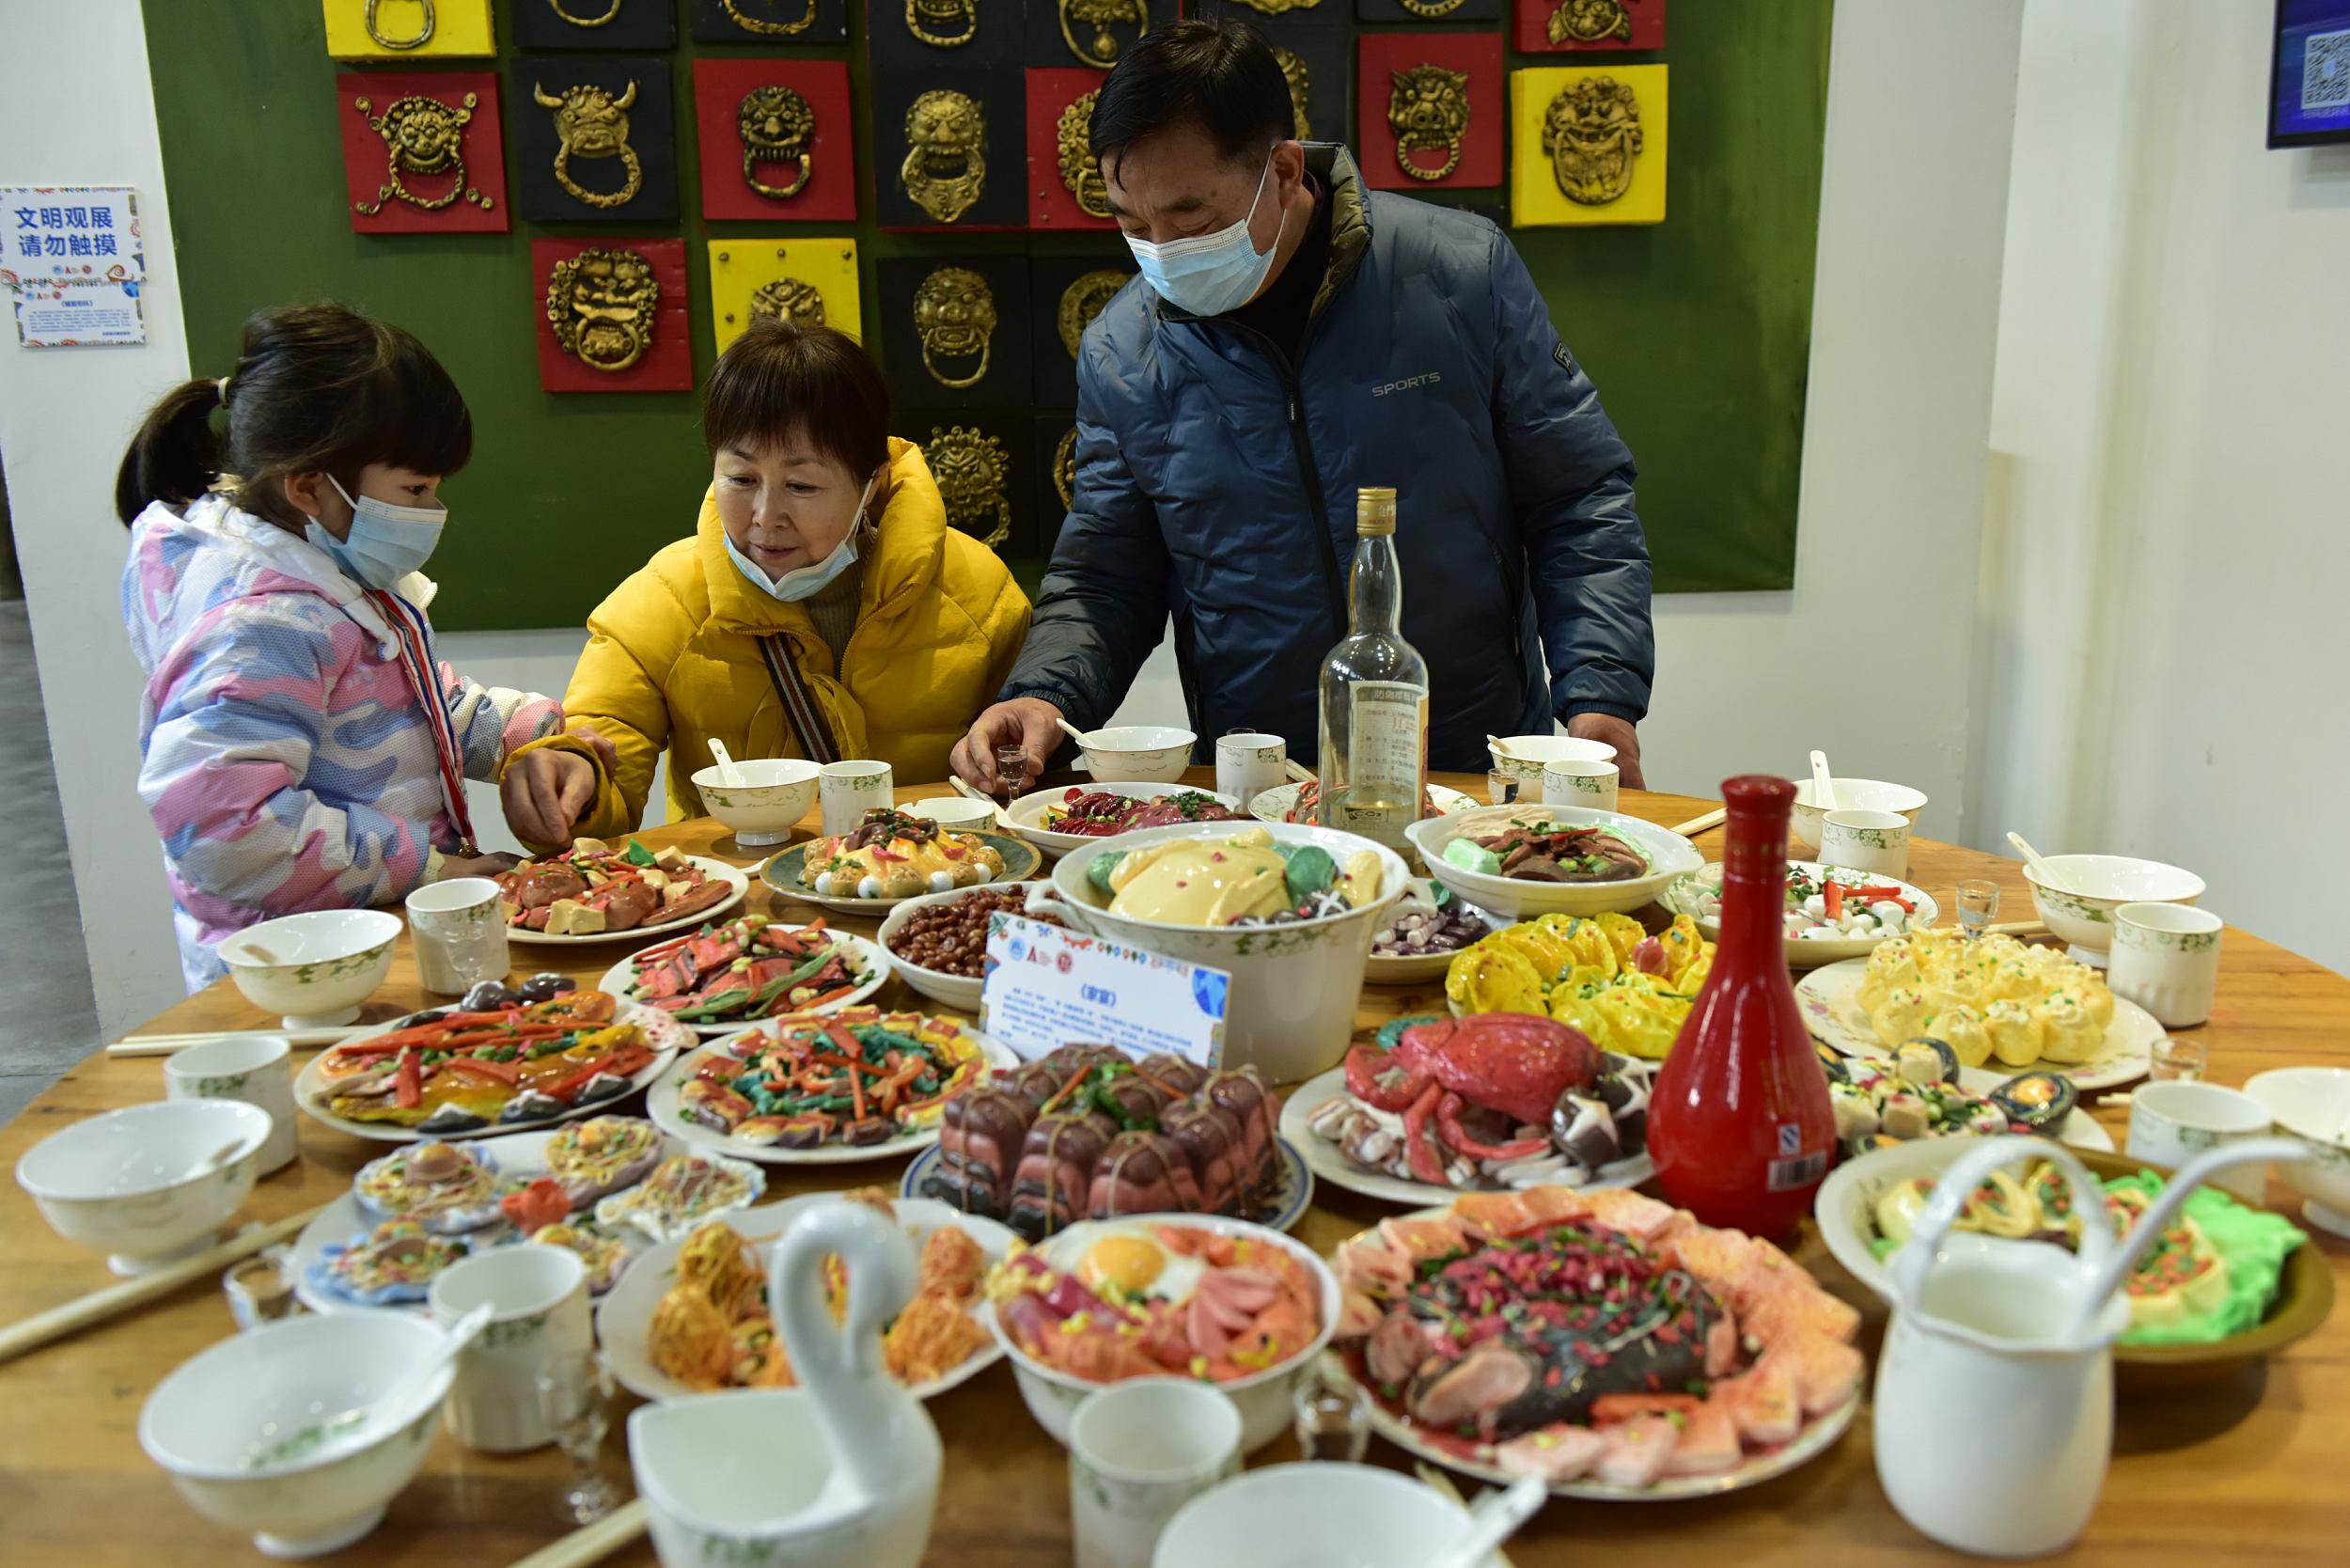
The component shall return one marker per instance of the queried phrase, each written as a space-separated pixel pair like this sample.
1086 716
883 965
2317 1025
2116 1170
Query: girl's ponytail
175 454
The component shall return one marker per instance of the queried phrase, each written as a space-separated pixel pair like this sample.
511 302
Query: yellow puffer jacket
673 657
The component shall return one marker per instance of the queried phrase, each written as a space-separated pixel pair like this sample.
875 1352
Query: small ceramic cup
2166 959
1866 842
257 1069
1138 1452
2172 1121
459 934
847 791
1576 783
538 1300
1247 763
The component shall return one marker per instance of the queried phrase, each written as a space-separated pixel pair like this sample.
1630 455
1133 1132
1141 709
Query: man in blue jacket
1295 337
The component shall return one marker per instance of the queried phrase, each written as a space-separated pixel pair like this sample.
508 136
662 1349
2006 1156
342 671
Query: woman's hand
545 792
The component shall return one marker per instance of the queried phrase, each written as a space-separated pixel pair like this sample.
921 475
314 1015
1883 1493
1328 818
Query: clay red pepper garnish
1425 1165
1460 1141
1378 1080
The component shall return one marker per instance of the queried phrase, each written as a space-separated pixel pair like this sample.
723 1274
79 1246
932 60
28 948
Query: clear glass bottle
1375 693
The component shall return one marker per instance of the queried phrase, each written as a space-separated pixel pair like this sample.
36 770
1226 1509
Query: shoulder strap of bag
799 705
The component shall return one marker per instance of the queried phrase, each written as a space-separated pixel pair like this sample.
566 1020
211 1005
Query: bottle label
1794 1169
1388 745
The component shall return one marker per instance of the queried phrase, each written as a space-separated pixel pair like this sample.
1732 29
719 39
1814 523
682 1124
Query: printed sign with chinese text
1048 987
74 264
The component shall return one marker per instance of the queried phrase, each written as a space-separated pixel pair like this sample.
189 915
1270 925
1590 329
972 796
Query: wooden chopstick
1436 1480
167 1044
98 1306
1297 773
1696 826
591 1543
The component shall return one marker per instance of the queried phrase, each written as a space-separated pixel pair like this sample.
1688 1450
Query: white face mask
804 581
1210 274
385 542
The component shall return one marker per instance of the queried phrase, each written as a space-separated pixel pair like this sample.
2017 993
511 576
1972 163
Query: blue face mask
804 581
1210 274
385 542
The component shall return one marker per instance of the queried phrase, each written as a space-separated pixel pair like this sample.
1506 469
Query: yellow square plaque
805 278
378 30
1587 144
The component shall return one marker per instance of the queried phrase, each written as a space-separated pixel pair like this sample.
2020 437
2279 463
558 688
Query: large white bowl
1264 1399
205 1422
1358 1514
2311 1105
1852 794
313 969
1668 854
959 992
1291 1008
2097 885
145 1182
1525 757
1026 816
1147 753
775 793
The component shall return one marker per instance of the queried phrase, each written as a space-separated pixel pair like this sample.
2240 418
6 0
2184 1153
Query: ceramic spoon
729 774
362 1425
2039 864
1074 733
1823 787
2174 1193
1493 1520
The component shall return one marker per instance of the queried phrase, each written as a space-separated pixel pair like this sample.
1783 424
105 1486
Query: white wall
2166 645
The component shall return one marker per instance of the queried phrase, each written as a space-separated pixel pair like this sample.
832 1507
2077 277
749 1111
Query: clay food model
1591 135
1987 998
859 1077
1626 991
592 888
1548 852
1246 880
1094 814
1916 1093
893 855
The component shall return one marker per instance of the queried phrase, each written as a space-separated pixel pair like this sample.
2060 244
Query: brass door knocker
1078 169
954 317
1589 21
1100 51
424 33
1293 66
1082 301
924 14
946 166
1430 9
971 472
1428 109
789 300
422 135
784 29
610 12
1274 7
1065 469
589 122
1591 135
601 305
775 124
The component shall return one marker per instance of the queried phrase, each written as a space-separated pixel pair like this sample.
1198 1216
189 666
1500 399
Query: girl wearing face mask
822 608
301 747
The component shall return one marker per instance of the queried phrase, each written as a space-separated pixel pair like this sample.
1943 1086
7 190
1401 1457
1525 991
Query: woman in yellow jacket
823 542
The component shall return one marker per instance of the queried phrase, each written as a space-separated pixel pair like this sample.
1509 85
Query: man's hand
1029 722
1615 733
545 791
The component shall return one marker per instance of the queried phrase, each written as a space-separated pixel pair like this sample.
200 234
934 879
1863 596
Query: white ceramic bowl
1525 757
2097 885
253 1390
1263 1399
1670 856
1026 816
960 813
1359 1515
1148 753
313 969
959 992
145 1182
763 809
1852 794
2310 1105
1290 1008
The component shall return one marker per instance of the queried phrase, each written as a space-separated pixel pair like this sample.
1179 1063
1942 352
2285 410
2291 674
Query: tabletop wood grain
2242 1469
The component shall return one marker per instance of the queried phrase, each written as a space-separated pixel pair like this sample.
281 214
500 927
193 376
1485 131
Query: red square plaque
1469 154
1550 26
1053 187
662 357
829 196
422 109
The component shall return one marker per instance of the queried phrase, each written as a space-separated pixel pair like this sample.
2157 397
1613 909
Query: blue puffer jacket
1215 483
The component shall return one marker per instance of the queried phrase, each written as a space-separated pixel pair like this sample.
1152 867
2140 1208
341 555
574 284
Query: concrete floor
47 1017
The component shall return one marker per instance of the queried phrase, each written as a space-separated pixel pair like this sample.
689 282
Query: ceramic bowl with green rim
773 795
315 968
2087 888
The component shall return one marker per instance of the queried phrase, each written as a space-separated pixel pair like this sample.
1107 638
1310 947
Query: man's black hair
1220 74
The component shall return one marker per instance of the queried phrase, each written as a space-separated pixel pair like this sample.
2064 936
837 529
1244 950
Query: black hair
1220 74
315 387
781 377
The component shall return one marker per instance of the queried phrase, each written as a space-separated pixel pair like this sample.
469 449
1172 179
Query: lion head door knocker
954 316
422 136
973 480
1589 21
946 166
776 125
1082 301
1276 7
422 36
1074 140
1101 50
1431 9
1065 469
1428 109
755 24
1591 132
610 11
601 305
789 299
1293 66
590 123
943 23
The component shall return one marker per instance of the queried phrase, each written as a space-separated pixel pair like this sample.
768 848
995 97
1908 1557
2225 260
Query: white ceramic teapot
1995 1390
841 1469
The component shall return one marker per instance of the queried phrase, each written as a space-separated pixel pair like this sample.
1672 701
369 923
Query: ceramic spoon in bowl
363 1424
2039 865
1072 732
729 774
1823 785
1493 1520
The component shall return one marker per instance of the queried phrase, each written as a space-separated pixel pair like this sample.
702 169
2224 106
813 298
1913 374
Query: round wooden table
2240 1469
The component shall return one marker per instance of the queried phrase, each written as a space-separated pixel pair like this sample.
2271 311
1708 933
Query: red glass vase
1740 1126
